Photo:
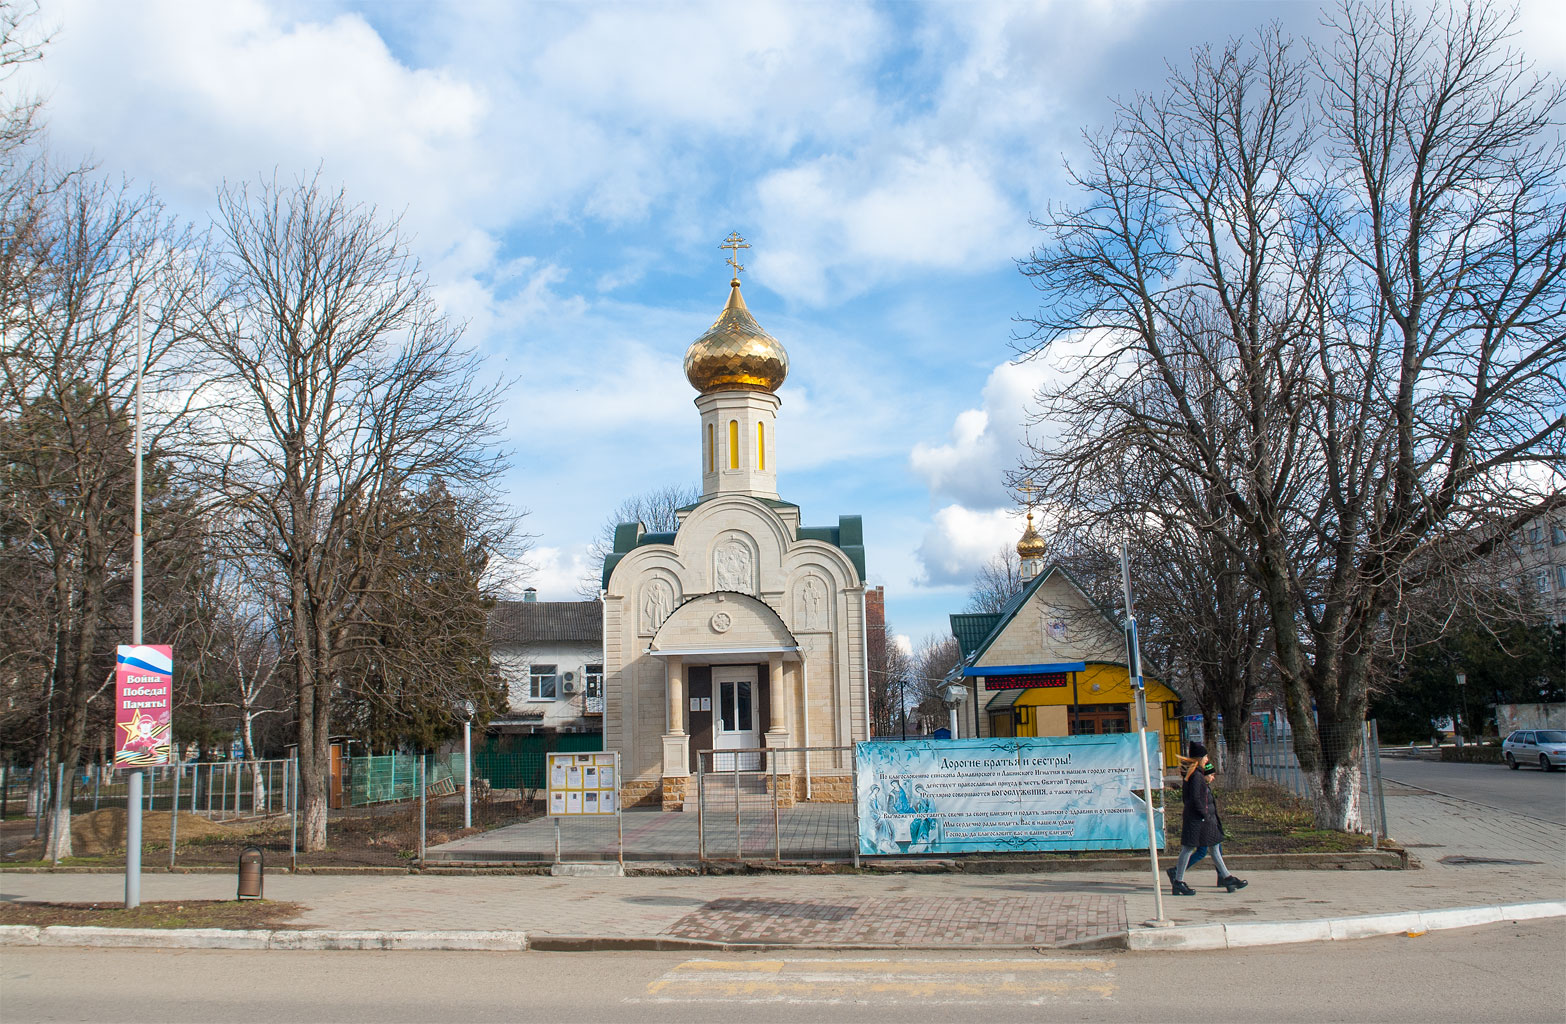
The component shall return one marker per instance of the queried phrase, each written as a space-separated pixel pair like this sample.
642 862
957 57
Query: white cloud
960 540
986 443
838 225
557 572
1542 33
188 95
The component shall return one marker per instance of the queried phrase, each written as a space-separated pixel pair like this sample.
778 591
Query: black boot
1231 883
1181 889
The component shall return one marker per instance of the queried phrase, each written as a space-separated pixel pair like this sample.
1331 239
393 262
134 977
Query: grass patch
157 914
383 835
1264 817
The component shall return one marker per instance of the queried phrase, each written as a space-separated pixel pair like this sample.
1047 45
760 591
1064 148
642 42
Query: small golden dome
735 354
1031 545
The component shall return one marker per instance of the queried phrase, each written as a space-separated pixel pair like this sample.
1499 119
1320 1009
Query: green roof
770 502
975 631
848 536
972 649
971 629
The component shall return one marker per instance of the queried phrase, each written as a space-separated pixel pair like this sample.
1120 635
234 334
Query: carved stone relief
732 567
810 610
657 603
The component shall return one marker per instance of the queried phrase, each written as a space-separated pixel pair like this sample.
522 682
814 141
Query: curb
1179 938
281 938
1274 933
1349 860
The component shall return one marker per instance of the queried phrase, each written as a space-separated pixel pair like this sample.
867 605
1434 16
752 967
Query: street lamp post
133 780
1462 703
468 708
902 700
953 693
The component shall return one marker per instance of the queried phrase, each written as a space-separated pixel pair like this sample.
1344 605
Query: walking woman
1201 830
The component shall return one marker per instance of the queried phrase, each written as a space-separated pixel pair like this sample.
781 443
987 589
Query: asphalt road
1505 972
1525 791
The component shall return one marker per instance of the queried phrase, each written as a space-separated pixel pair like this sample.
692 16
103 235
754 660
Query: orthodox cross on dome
734 243
1027 489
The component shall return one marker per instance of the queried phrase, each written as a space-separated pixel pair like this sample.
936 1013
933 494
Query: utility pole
1462 702
133 795
1134 667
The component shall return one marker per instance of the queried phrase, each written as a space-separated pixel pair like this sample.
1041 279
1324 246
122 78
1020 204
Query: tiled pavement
807 831
915 909
925 922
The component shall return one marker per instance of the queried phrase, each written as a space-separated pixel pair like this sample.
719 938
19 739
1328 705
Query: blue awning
1025 670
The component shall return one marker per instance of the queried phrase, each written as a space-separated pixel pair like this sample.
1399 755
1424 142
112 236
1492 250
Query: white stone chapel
744 630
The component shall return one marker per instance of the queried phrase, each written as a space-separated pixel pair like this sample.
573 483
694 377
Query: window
1560 577
593 680
1541 581
1536 535
761 446
712 452
541 682
1557 533
734 444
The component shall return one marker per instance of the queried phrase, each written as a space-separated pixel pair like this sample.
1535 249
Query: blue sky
566 171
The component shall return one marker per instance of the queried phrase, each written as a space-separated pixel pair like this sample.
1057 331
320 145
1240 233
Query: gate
776 803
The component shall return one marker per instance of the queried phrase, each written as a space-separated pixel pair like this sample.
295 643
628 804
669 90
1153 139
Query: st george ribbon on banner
143 705
1003 795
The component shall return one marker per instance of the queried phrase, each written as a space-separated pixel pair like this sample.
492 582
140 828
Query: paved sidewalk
1472 857
803 832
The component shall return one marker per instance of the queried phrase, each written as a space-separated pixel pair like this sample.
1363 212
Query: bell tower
737 367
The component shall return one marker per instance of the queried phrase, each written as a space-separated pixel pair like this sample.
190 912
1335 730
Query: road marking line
808 980
759 989
900 966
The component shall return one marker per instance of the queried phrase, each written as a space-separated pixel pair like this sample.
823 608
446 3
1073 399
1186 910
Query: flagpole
133 793
1134 668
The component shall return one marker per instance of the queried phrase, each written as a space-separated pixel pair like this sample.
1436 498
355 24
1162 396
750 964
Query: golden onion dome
735 354
1031 545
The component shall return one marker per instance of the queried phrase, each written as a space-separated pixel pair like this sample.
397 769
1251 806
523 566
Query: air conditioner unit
568 682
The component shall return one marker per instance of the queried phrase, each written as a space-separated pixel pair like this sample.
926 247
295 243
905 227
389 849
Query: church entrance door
735 724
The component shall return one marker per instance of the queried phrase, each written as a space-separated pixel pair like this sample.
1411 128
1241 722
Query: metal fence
780 805
776 803
1269 754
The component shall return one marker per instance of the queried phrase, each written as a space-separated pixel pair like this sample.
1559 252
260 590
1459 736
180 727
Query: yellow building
1053 663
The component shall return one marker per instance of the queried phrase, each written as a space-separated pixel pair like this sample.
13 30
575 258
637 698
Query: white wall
514 663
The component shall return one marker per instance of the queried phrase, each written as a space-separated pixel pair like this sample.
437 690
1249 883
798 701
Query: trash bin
252 868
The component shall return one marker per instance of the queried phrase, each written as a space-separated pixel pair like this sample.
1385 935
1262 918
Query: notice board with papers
584 784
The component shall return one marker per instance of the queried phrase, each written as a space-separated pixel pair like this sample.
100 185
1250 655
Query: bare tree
658 512
932 661
1380 229
244 630
997 581
345 385
68 364
890 671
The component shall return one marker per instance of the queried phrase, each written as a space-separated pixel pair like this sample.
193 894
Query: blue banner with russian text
1058 793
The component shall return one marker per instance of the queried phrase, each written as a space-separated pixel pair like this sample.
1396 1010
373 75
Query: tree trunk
257 783
59 840
312 773
1336 790
1235 745
37 787
314 720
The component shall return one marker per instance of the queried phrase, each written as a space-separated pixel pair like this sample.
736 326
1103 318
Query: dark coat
1199 822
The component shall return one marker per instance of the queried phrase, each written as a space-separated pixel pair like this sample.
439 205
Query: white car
1543 747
